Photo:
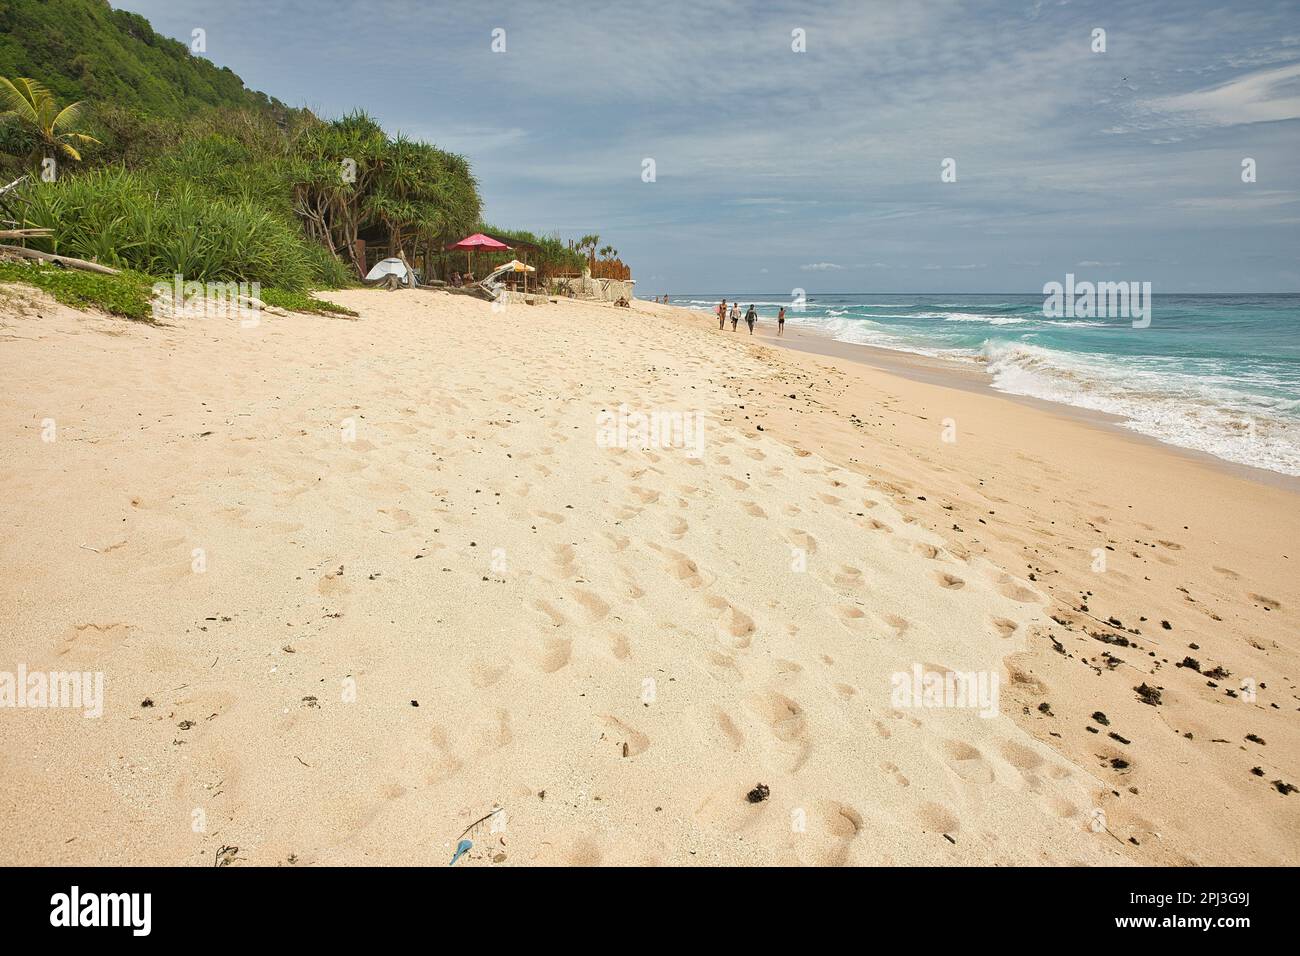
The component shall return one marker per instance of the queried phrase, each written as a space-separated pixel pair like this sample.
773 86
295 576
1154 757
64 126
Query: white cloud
820 267
1261 97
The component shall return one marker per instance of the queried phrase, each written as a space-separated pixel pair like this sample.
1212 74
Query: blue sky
821 170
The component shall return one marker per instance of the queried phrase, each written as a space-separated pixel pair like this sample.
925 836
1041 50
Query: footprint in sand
967 761
802 539
1009 588
898 625
595 608
562 556
556 618
848 576
936 818
484 673
681 567
91 640
844 823
443 763
1267 603
550 654
949 581
729 729
619 645
645 495
1020 756
622 733
619 541
735 627
1004 627
892 769
632 590
785 718
724 666
851 616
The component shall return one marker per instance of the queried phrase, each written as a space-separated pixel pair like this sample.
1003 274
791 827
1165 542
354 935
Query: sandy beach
354 584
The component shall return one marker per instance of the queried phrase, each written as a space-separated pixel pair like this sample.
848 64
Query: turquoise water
1215 373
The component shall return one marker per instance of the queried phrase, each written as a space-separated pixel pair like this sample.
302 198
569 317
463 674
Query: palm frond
18 99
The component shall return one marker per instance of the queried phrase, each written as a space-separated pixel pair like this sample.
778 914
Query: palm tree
35 108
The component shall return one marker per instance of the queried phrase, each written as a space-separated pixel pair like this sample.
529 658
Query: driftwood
66 261
26 233
5 191
13 185
252 303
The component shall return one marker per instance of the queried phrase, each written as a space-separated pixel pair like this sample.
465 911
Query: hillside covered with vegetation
86 50
169 165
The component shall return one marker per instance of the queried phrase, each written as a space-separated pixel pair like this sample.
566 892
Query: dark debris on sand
1148 694
759 793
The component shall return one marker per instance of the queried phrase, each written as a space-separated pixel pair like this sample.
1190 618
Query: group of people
459 280
751 317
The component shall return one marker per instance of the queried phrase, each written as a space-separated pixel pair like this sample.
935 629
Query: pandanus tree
423 196
348 175
587 246
333 168
37 112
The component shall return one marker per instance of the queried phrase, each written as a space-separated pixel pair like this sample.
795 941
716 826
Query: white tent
390 267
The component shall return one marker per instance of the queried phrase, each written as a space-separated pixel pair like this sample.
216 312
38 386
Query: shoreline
971 376
1187 539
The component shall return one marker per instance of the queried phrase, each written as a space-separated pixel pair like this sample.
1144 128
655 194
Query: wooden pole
66 261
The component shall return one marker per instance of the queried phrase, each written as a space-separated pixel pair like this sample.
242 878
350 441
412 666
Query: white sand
475 549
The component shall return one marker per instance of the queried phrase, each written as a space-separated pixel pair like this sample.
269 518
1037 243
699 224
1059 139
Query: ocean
1216 373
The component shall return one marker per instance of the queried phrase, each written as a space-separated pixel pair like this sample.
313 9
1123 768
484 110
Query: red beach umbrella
478 241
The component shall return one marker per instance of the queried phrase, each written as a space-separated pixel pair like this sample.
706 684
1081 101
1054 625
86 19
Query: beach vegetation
53 130
177 168
126 294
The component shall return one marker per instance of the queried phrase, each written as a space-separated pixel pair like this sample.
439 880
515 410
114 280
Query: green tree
36 110
348 176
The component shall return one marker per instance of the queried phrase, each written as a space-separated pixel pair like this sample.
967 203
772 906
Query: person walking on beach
735 315
722 315
750 318
780 321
